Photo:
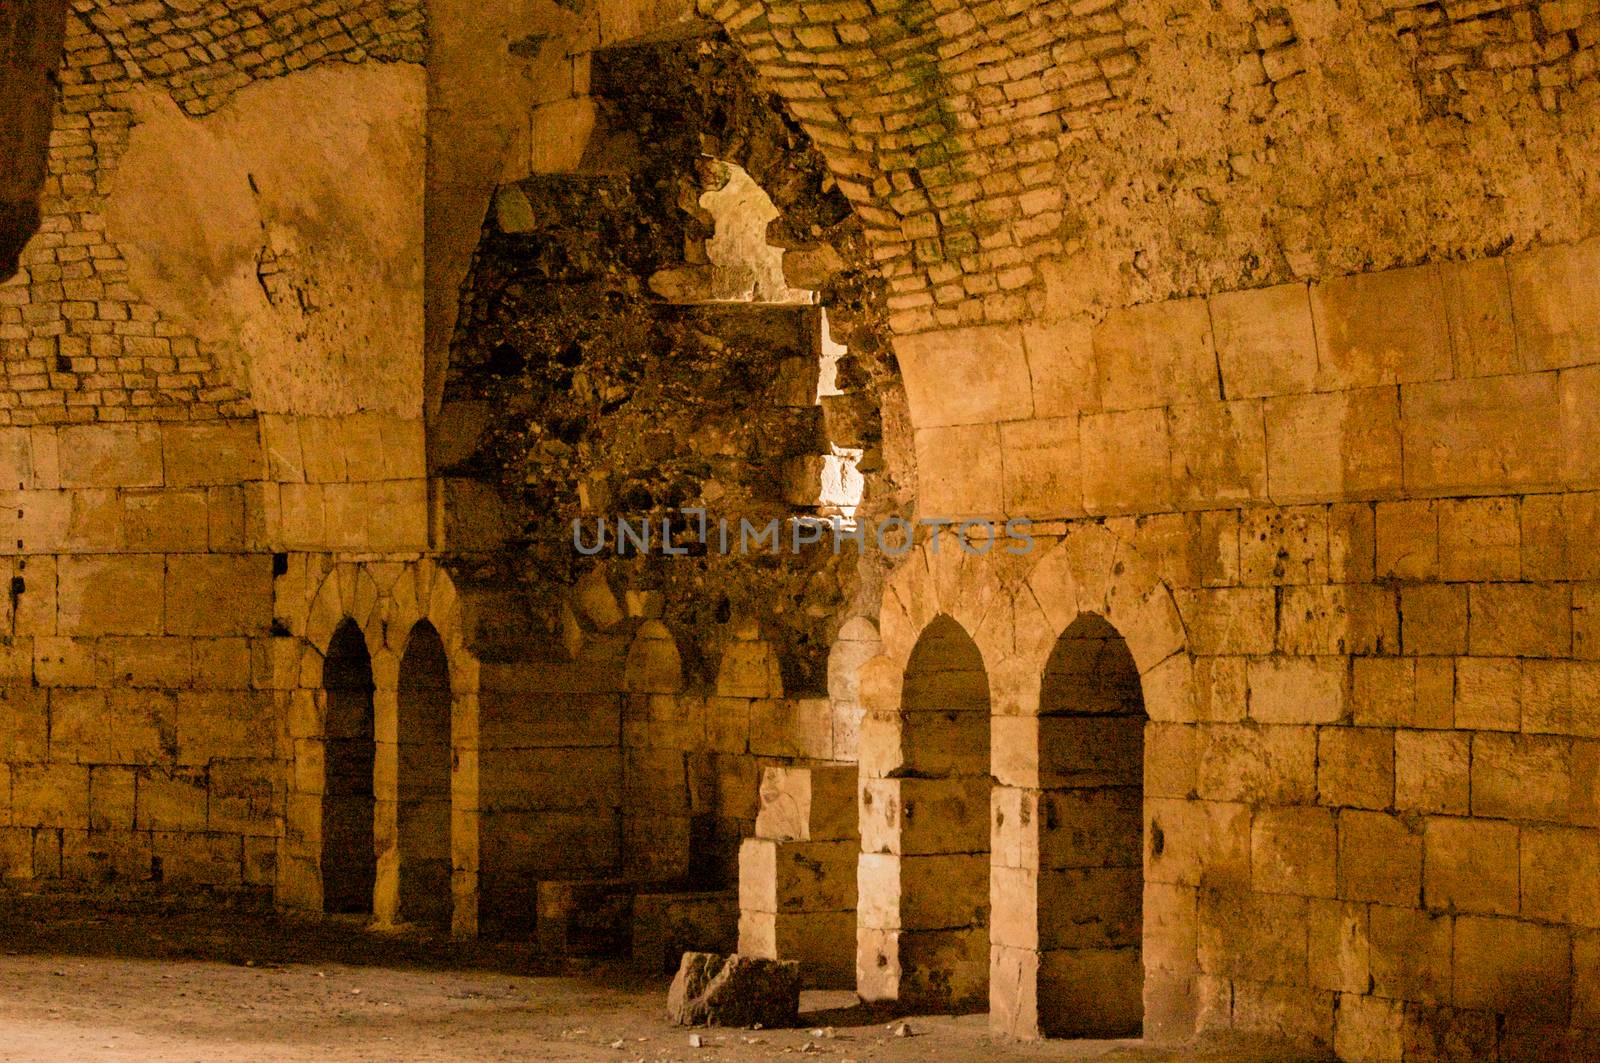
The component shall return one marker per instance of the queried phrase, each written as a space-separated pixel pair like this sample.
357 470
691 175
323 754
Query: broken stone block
808 804
713 990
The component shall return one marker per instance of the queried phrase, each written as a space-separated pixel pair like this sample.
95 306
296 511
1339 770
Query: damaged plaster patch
287 228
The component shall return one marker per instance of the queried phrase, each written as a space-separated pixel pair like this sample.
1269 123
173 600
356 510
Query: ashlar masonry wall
1345 528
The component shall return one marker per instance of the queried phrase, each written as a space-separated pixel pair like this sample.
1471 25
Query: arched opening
944 869
1091 877
424 779
349 859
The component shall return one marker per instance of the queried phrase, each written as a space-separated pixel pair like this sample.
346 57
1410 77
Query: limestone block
244 798
1560 697
1477 301
1338 619
1355 766
111 798
1089 751
1127 462
224 724
1368 1030
211 452
218 594
1529 777
653 664
1088 828
346 509
941 816
1170 760
141 726
951 483
171 801
1479 539
1339 946
1013 992
1387 327
965 376
1219 453
1198 843
1481 436
1488 691
1283 1011
1407 539
1169 928
1471 865
1586 980
1302 690
1229 620
1431 771
1014 908
111 455
809 804
1410 954
199 859
1380 858
1015 826
1090 908
111 595
1513 968
221 663
1253 936
151 662
1172 1005
398 517
1091 992
1352 543
361 437
78 727
1292 850
1520 620
749 669
797 876
944 968
165 520
1061 364
1561 875
942 891
822 943
1219 689
1580 426
1284 546
1256 764
1043 473
712 990
1158 354
1434 619
1555 297
1266 342
24 723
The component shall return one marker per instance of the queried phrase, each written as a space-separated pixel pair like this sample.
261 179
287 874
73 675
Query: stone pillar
386 791
797 876
464 810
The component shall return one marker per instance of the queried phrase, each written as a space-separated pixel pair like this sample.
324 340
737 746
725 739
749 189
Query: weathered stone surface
713 990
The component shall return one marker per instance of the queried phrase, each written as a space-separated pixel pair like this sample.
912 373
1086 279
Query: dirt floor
164 980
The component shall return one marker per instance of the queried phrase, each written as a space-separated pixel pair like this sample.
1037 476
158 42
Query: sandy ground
158 981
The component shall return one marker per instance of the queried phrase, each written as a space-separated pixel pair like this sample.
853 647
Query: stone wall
181 284
1351 514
